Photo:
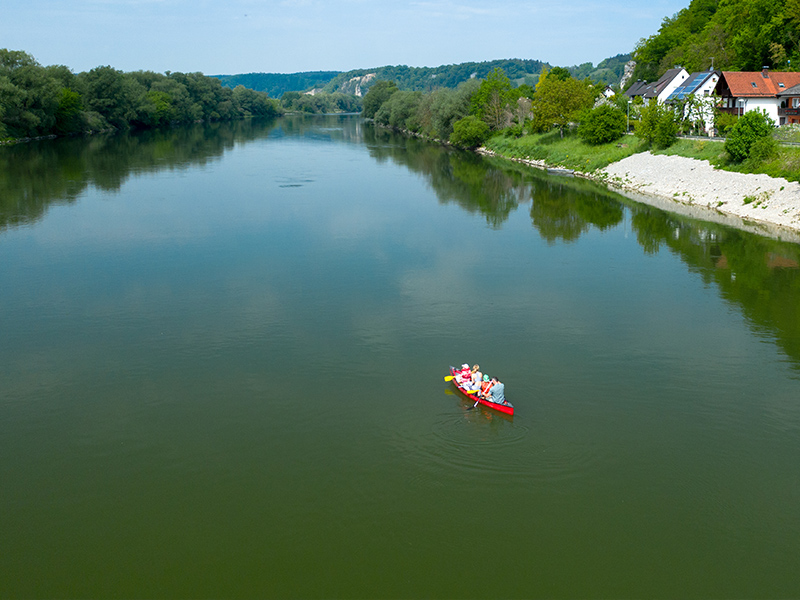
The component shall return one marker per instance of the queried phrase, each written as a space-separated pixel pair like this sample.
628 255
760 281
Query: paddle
449 377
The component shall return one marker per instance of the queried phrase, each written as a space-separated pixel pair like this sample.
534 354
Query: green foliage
320 103
749 129
400 111
724 121
602 125
765 148
441 108
37 100
427 79
557 102
657 125
469 132
569 151
277 84
560 73
376 96
608 71
740 35
492 99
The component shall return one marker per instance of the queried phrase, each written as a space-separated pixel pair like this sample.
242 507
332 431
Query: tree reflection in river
758 274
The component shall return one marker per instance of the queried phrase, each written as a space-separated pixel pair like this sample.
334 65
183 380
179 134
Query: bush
469 132
749 129
724 122
657 125
764 149
602 125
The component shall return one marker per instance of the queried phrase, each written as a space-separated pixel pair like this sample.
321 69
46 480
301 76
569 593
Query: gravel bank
758 203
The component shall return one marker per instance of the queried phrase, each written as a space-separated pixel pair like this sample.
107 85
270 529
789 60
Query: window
780 85
753 83
795 102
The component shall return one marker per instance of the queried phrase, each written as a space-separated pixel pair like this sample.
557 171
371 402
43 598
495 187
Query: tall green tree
379 93
491 101
557 102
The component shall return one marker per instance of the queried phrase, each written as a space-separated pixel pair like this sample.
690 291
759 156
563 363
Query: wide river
222 361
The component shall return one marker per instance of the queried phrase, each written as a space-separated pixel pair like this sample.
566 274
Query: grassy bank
569 152
573 153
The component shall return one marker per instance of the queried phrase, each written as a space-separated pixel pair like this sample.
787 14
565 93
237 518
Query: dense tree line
467 115
320 102
738 35
277 84
36 100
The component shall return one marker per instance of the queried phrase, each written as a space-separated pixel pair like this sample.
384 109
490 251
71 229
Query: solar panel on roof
687 88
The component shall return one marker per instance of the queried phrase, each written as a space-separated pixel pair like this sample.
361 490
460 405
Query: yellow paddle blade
471 391
448 378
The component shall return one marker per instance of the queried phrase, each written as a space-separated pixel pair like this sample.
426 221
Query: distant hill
422 79
275 84
608 71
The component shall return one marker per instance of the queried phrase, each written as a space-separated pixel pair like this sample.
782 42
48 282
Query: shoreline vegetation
572 126
37 101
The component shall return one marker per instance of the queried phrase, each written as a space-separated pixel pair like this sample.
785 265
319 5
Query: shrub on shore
602 125
753 127
469 132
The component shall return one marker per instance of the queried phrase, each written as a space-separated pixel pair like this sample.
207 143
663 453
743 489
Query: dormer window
753 83
780 85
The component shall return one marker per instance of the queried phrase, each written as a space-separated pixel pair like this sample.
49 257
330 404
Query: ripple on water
484 442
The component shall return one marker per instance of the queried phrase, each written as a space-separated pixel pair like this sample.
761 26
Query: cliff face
356 85
626 76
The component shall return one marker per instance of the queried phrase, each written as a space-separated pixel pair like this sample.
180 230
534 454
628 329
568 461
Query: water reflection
35 175
757 274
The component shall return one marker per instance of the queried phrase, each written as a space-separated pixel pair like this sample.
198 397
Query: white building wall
770 105
681 77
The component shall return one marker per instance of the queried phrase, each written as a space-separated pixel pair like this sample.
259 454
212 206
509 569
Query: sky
288 36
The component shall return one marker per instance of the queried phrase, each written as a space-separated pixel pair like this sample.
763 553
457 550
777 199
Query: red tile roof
753 84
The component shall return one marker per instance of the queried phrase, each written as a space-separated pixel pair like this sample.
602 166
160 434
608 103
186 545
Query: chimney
765 72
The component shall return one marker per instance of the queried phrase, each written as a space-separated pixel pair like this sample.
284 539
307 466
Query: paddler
497 391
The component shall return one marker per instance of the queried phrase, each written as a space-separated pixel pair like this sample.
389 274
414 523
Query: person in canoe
476 377
486 386
497 393
464 376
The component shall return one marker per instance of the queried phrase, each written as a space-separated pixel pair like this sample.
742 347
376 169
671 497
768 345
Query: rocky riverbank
756 203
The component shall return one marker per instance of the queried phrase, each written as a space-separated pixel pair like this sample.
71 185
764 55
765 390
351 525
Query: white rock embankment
758 203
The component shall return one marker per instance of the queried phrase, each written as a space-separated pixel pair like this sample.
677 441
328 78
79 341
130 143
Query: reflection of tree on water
565 210
760 275
35 175
457 177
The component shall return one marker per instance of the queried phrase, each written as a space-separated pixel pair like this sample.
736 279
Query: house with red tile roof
741 92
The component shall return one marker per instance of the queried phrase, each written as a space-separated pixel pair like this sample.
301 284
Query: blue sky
285 36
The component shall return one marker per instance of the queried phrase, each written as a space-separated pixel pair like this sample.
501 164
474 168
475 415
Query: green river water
222 352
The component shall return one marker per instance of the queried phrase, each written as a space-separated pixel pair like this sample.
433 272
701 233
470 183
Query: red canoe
503 408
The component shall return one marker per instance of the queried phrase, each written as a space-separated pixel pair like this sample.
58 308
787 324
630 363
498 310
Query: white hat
465 366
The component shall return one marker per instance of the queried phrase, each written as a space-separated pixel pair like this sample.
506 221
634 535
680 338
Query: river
222 375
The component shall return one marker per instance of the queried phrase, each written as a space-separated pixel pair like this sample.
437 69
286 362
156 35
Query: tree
492 99
602 125
657 125
558 102
469 132
400 111
751 127
379 93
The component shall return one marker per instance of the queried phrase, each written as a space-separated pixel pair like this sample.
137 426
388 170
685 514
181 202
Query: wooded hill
419 78
737 35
